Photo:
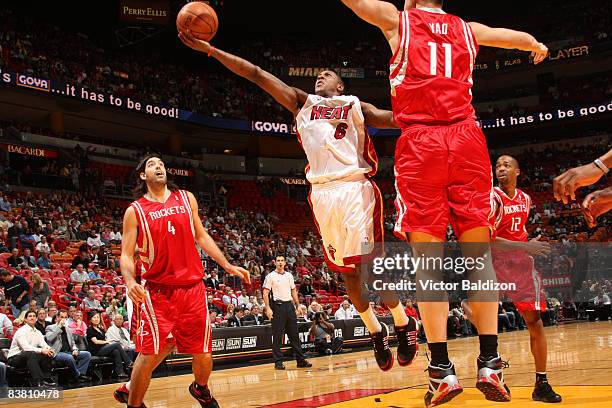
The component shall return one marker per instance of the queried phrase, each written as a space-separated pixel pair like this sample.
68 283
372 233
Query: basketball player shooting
513 263
442 166
346 203
164 225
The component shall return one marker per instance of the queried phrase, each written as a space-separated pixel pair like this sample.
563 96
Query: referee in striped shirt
280 308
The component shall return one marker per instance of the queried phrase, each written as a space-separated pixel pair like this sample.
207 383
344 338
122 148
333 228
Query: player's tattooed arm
382 119
291 98
509 39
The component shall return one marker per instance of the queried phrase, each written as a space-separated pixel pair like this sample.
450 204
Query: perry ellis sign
144 12
29 151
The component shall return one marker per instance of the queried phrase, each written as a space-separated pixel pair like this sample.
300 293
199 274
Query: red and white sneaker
491 379
443 385
121 394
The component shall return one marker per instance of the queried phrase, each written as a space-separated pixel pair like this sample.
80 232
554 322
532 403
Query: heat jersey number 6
340 130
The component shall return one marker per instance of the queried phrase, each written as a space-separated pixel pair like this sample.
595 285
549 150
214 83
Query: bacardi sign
29 151
180 172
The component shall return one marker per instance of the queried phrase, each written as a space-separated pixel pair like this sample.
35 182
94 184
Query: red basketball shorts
518 269
174 313
442 175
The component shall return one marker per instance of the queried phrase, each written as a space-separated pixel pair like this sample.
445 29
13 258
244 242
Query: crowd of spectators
35 229
39 48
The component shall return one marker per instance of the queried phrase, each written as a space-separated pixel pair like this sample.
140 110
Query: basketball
199 18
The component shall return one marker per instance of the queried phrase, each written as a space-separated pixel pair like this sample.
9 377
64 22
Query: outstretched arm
291 98
379 13
382 119
510 39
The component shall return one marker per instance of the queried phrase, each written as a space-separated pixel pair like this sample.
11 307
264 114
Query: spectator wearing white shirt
229 297
116 237
79 275
242 299
43 245
29 349
94 239
351 306
344 311
6 326
91 303
119 334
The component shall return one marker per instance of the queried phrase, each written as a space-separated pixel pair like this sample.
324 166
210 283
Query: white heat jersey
333 134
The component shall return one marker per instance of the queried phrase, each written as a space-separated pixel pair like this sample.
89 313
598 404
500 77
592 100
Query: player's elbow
254 74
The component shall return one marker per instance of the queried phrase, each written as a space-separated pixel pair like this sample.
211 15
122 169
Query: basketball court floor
580 359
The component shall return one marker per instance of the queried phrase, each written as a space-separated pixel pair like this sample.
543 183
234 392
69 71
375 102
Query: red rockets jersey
511 215
431 70
166 241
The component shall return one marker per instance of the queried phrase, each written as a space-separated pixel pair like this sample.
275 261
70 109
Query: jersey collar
432 10
516 191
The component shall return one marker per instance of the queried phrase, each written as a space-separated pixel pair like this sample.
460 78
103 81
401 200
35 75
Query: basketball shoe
544 392
443 385
382 351
203 395
491 379
408 345
121 394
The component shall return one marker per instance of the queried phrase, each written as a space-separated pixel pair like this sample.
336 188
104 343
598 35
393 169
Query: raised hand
540 54
192 42
566 184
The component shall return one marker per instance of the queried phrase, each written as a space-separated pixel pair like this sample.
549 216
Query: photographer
323 333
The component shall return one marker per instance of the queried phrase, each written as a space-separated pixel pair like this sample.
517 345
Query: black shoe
382 352
83 378
48 382
303 364
203 396
544 392
279 366
408 344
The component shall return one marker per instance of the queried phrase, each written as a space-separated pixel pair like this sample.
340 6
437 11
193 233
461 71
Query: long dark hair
140 187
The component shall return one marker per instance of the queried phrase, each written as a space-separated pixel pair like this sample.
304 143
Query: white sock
370 320
399 315
127 385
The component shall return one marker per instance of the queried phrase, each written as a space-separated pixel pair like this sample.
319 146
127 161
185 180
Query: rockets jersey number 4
334 137
166 241
431 69
511 214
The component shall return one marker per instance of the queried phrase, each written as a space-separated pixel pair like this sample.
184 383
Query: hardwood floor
580 356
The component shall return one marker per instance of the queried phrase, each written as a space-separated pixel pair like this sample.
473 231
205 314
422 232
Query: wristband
210 52
601 166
